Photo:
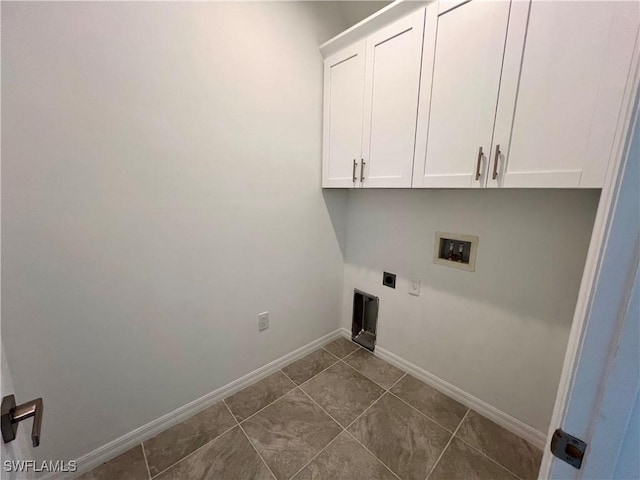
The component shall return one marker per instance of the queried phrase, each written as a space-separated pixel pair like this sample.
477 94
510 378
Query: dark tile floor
338 413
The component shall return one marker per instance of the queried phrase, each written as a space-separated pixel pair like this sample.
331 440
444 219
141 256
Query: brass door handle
495 162
11 415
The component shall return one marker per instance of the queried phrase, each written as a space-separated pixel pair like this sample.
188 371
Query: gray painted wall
354 12
498 333
160 187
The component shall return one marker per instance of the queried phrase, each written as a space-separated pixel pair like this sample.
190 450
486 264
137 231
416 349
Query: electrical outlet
414 286
263 321
389 279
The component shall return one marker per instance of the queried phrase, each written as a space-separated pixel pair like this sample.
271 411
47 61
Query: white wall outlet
414 287
263 321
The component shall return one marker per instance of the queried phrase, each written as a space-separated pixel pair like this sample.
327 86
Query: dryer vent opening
365 319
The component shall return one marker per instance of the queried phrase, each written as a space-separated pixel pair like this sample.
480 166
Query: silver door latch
12 415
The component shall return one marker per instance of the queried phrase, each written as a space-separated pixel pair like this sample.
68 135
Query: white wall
498 333
357 11
161 186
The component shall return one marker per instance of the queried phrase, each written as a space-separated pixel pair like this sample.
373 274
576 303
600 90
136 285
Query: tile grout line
196 450
388 390
226 431
344 430
299 387
249 440
374 402
358 347
317 454
448 443
295 385
404 374
239 424
372 454
268 404
362 414
351 353
321 408
146 462
321 371
365 376
257 452
314 376
427 416
453 435
487 457
229 410
333 354
338 423
338 360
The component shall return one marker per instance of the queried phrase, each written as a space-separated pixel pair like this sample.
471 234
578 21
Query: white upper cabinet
558 115
479 93
370 104
343 106
462 61
392 81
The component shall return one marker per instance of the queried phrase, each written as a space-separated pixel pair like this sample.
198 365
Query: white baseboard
120 445
503 419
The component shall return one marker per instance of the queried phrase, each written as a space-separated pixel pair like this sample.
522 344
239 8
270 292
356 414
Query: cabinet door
342 121
391 101
462 61
572 76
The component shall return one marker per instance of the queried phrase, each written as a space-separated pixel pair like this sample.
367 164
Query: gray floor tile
343 392
292 429
462 462
509 450
289 432
435 405
345 459
129 465
230 456
341 347
376 369
307 367
173 444
251 399
405 440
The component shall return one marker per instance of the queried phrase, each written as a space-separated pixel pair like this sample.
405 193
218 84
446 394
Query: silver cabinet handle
478 164
353 173
362 163
12 415
495 162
